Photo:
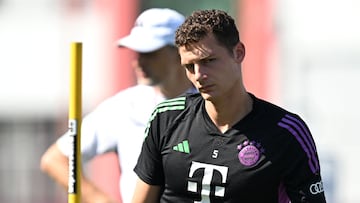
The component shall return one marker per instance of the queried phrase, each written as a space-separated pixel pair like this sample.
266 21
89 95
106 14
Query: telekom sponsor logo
206 180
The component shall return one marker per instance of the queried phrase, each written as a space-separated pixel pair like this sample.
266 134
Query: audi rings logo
316 188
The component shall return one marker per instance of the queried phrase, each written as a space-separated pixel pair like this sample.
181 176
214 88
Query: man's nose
199 72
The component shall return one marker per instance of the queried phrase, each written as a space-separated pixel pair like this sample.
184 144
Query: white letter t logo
205 185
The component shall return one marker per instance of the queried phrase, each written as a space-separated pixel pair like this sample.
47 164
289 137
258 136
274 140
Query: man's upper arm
145 193
55 164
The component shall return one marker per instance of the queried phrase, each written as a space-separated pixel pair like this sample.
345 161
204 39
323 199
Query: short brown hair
201 22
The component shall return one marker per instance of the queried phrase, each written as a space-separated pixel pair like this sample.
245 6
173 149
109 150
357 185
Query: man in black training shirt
224 144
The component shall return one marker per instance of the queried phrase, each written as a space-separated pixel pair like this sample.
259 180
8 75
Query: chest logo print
182 147
249 153
207 184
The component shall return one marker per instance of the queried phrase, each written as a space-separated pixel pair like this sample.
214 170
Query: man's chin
206 96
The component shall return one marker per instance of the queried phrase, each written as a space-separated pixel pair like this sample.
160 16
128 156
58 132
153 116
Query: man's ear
239 52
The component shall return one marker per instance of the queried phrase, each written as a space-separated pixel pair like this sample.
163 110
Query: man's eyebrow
199 59
186 64
206 57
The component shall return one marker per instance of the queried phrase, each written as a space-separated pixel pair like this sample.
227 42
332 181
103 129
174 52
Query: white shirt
118 124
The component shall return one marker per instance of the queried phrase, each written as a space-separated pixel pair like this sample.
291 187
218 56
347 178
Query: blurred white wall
320 67
35 38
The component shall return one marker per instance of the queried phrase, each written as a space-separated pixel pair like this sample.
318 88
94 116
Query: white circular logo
316 188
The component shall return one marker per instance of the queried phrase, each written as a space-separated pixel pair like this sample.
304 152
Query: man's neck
228 112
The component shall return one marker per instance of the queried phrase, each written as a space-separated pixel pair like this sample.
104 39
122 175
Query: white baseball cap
153 29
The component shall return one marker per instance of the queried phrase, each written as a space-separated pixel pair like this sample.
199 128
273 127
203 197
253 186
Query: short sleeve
149 165
302 177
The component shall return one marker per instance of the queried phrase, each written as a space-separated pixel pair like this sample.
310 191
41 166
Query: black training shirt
267 157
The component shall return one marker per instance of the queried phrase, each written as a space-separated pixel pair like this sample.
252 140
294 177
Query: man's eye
189 67
208 60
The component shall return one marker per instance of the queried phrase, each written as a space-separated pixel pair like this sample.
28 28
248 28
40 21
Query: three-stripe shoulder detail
168 105
171 104
302 134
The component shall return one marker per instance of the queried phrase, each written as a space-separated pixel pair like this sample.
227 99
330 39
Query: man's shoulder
178 105
138 95
276 114
172 111
132 93
135 91
268 107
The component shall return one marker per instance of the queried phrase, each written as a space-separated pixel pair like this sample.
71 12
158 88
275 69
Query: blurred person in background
118 123
224 144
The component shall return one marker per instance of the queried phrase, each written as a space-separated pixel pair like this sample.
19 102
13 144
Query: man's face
154 66
212 69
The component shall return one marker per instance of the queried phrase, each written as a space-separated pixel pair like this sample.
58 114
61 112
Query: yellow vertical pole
75 115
